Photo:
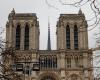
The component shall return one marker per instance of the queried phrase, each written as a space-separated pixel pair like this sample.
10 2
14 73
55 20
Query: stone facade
22 19
71 20
61 64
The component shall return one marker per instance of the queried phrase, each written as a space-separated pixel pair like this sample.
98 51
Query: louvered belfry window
68 37
75 37
18 33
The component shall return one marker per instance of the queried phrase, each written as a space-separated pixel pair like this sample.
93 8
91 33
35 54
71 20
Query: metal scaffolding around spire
49 41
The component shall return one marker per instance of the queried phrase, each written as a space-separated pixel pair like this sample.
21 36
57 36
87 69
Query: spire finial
49 41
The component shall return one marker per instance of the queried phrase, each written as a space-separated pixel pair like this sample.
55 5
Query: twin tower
23 31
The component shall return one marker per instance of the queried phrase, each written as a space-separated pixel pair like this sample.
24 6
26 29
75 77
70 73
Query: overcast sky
44 11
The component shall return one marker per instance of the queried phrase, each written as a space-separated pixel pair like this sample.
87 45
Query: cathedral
72 60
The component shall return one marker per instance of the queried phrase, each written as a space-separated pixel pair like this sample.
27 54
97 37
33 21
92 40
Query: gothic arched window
48 62
68 37
18 32
26 40
75 37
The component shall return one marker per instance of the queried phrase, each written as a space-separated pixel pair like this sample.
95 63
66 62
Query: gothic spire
49 41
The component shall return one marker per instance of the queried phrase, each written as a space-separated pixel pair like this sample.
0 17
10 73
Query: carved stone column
58 61
73 61
34 59
85 38
32 38
22 37
85 66
63 66
14 36
80 36
10 34
71 36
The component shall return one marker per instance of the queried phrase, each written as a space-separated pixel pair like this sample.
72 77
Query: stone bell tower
72 31
22 31
72 41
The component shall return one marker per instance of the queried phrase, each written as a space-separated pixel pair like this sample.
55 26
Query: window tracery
18 33
26 40
75 37
48 62
68 37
